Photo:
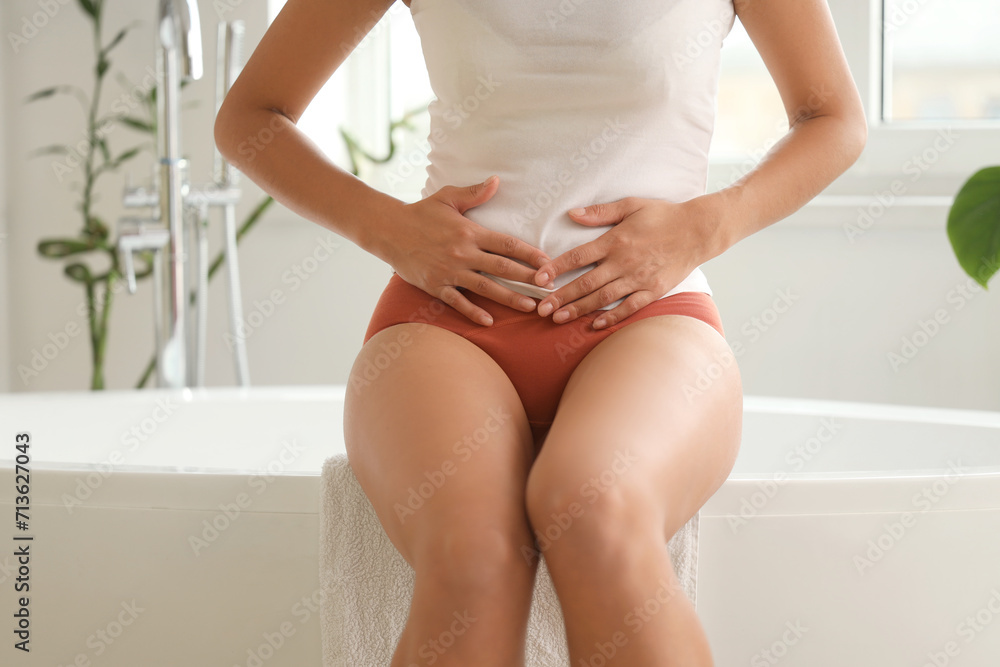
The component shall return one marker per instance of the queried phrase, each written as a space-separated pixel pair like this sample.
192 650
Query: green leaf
103 145
54 149
114 42
58 248
127 155
974 225
102 66
79 272
90 7
47 92
97 230
137 124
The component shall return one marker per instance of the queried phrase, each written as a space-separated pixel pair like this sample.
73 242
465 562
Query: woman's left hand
653 246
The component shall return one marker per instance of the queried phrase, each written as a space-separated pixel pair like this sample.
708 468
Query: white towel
367 584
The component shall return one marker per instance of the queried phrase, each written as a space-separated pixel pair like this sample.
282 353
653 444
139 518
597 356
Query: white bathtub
843 537
180 528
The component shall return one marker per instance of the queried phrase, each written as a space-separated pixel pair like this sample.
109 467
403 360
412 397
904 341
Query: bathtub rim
756 403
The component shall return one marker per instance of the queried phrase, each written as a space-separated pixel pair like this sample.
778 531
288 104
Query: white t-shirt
571 103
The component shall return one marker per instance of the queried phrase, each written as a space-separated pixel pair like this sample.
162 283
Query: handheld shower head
180 29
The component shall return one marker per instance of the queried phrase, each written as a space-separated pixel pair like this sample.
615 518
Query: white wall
854 301
4 261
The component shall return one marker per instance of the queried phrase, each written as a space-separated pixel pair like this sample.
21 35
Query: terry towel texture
367 585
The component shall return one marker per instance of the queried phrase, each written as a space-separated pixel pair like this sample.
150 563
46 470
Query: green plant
97 161
94 239
974 225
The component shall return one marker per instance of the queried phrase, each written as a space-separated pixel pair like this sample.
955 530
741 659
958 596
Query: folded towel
367 584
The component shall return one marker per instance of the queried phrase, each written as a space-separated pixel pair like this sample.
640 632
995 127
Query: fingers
451 296
631 304
595 215
505 249
462 199
575 258
489 288
594 289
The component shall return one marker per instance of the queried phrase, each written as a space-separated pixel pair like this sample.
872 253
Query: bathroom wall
812 308
4 245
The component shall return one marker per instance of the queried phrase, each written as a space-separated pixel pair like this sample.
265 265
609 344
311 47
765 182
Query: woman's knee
600 510
472 557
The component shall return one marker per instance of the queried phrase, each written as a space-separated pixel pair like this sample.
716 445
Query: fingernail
600 322
489 181
486 320
545 309
578 211
527 304
561 316
542 278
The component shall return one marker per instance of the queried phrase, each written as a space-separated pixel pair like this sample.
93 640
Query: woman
554 373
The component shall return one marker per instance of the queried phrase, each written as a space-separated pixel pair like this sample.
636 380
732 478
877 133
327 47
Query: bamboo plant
94 241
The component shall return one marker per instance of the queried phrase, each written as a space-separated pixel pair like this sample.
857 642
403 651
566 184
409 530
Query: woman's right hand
436 248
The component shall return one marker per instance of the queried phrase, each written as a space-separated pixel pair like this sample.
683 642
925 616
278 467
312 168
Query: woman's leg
439 441
647 430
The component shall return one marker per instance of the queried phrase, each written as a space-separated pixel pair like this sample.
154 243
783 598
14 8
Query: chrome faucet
180 328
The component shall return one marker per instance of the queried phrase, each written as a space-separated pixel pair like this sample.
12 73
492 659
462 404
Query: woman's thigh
437 437
655 410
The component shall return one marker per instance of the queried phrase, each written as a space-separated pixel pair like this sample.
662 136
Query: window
942 60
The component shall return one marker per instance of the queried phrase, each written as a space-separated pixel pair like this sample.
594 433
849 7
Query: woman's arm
256 131
827 127
429 243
